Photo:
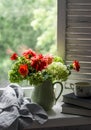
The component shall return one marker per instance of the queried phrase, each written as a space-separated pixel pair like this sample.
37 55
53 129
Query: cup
81 89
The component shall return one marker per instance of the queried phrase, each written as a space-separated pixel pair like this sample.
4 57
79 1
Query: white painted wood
78 37
61 28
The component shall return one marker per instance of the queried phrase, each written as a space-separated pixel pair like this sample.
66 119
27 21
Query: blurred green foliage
26 24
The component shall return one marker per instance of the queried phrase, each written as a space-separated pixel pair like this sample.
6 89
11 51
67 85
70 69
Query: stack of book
76 105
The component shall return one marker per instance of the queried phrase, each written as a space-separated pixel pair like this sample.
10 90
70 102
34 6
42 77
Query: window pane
25 24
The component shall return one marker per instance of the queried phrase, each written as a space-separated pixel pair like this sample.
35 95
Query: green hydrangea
58 70
14 75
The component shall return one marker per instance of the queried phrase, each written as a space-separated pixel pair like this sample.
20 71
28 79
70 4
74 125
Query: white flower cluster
58 70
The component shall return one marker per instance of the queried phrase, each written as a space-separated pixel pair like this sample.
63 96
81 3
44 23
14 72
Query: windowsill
57 119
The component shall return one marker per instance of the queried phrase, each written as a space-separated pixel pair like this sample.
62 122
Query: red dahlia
29 53
76 65
14 56
23 69
38 62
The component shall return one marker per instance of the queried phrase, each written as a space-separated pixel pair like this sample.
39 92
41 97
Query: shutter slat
79 30
79 1
84 36
82 76
78 42
74 52
78 6
77 80
78 57
85 71
79 19
78 11
78 47
79 24
79 39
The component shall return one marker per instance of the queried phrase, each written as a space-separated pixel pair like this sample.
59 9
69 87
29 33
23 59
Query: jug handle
61 90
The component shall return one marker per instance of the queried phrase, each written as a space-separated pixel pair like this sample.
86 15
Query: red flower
29 53
76 65
23 69
38 62
49 59
14 56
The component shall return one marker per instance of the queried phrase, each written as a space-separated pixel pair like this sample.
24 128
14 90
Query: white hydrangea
58 71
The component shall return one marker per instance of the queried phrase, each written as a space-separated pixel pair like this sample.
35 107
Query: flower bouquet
43 72
36 68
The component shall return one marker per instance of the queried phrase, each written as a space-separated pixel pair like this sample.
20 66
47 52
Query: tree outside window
26 24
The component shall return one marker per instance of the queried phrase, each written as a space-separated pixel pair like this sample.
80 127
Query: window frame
61 25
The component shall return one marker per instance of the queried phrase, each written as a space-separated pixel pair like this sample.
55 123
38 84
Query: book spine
77 102
80 112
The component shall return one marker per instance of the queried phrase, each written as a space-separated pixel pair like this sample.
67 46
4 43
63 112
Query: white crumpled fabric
18 112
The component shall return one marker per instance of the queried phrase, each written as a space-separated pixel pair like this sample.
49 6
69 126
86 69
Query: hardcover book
75 110
72 99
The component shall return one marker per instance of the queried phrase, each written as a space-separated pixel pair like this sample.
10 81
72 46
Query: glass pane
25 24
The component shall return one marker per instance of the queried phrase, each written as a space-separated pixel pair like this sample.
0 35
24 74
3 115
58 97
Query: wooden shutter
77 43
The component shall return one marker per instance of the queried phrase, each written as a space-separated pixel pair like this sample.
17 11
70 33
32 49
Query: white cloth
18 112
